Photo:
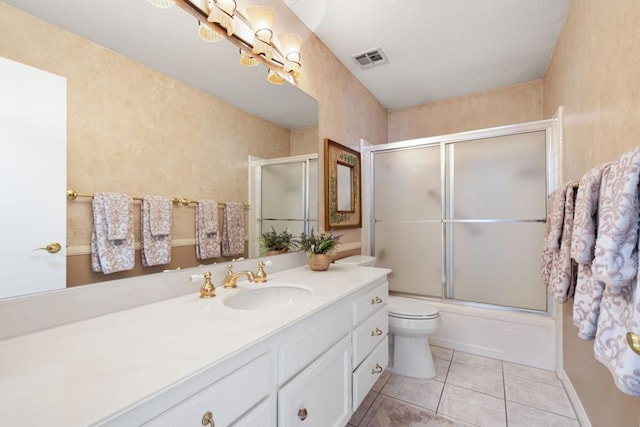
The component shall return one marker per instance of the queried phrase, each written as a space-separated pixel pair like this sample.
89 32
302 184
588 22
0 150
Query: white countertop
80 373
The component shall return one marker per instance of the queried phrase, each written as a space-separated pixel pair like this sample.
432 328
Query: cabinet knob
376 332
207 419
303 414
378 369
376 300
52 248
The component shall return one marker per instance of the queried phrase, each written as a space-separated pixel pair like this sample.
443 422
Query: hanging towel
112 217
207 235
233 229
619 314
616 252
558 268
156 230
588 293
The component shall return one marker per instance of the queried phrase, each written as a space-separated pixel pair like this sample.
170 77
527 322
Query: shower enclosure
461 217
284 195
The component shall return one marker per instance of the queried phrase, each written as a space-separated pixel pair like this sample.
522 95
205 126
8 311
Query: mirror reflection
145 115
345 182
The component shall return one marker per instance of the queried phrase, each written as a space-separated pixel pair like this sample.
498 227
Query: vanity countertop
83 372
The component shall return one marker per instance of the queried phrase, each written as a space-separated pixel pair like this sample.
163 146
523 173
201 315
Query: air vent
371 58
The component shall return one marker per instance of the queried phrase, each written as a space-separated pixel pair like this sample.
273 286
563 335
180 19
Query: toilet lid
410 308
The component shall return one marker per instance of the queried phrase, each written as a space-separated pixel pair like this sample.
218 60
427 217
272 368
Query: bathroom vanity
307 350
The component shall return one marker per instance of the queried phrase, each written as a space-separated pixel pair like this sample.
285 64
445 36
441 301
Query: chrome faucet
231 277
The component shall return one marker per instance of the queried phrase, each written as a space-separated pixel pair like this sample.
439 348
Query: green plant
320 243
274 241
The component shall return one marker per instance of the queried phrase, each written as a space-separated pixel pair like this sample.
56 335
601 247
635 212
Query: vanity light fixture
262 18
216 20
207 34
221 12
247 59
274 77
162 4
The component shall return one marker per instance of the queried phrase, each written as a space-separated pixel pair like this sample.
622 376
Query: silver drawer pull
378 369
376 300
303 414
376 332
207 419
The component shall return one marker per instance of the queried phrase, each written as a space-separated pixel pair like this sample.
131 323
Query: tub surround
91 370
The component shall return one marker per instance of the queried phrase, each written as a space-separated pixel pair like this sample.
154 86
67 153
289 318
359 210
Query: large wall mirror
153 109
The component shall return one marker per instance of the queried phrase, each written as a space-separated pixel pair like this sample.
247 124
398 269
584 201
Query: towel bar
634 342
73 195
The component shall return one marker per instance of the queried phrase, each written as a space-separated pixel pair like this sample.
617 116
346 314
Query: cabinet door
320 395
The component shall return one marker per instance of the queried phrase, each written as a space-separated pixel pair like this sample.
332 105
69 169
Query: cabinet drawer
369 302
297 353
227 398
369 334
369 371
319 396
263 415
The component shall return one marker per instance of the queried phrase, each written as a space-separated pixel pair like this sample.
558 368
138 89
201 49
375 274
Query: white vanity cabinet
369 338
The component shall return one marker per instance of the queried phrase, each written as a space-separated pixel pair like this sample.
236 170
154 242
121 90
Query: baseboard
466 347
581 414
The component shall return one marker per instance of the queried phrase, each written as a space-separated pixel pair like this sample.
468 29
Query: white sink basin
267 297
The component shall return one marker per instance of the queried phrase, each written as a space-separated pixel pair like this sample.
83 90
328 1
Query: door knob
52 248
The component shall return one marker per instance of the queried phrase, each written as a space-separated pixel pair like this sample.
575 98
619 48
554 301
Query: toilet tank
364 260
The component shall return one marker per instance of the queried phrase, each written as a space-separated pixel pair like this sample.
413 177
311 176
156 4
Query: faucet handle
261 276
208 290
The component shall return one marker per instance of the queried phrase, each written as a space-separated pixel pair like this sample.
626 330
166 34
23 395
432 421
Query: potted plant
319 248
274 243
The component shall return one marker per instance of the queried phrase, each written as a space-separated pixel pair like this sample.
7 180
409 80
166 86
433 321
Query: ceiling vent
371 58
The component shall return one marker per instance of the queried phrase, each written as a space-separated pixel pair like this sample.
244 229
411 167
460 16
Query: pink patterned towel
616 252
588 294
233 229
207 235
558 271
156 230
112 211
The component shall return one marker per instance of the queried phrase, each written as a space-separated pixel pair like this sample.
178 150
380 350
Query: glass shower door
284 197
407 211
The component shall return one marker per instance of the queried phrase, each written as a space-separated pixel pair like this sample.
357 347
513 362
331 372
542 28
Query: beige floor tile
538 395
359 414
424 393
441 352
388 412
384 377
442 369
533 374
477 379
478 361
471 406
525 416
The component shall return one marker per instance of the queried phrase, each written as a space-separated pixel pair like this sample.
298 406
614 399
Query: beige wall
504 106
595 74
304 141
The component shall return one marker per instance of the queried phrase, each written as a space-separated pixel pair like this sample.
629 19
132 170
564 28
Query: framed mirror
342 183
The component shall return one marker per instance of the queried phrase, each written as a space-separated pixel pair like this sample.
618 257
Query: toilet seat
408 308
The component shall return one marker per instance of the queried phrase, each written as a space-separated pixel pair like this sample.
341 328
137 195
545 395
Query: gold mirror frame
334 154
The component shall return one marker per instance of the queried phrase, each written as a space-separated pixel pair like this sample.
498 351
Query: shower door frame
552 129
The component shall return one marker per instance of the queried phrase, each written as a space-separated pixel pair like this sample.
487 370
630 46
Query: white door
33 156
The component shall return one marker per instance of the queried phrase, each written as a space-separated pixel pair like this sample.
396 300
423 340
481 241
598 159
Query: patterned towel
616 252
156 231
588 293
558 270
112 211
207 236
233 229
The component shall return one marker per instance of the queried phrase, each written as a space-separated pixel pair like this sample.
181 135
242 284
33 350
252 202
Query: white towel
588 292
616 253
619 314
233 229
112 211
207 235
558 270
156 231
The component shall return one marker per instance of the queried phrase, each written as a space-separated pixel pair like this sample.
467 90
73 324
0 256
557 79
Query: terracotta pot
319 262
270 253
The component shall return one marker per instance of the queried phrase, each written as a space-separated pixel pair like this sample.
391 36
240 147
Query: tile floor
469 390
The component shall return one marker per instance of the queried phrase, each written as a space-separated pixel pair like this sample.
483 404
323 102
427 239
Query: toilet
411 322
